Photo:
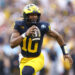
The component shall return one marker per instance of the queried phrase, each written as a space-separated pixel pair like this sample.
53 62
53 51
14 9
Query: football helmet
31 9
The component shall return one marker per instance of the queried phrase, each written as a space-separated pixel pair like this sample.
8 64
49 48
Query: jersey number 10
29 46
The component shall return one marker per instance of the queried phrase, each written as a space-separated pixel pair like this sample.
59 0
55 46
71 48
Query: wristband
23 35
64 50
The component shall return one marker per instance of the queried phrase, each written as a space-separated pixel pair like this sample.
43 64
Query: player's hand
31 30
68 57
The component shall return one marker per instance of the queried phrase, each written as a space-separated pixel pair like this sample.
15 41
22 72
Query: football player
29 33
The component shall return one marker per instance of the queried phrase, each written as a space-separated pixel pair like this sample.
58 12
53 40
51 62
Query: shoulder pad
19 22
45 23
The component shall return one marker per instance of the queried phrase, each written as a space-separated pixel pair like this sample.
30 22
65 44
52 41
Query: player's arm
61 42
16 38
56 36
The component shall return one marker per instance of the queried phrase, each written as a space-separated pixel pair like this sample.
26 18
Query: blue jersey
31 48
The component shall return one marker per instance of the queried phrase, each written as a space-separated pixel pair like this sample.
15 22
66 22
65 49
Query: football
36 35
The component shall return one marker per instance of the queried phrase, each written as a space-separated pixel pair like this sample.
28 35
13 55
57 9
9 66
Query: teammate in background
29 33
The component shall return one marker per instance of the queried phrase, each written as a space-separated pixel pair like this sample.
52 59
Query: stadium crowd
61 16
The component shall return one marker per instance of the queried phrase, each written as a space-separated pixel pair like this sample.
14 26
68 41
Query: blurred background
61 16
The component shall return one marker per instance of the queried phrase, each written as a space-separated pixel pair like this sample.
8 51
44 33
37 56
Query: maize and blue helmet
31 9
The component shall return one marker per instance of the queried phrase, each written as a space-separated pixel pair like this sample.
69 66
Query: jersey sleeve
16 26
45 27
48 27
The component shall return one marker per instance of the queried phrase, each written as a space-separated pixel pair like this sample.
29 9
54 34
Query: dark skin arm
16 38
61 42
56 36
